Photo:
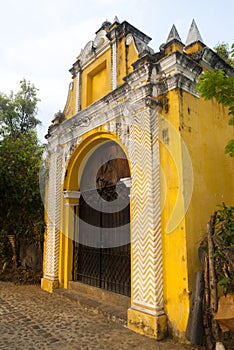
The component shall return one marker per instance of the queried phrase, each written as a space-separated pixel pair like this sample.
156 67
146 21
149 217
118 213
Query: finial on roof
105 26
173 35
106 23
116 20
193 34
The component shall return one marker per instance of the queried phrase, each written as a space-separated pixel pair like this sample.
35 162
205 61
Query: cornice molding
209 59
149 80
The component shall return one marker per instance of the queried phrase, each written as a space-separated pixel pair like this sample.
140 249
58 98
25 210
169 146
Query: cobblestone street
31 318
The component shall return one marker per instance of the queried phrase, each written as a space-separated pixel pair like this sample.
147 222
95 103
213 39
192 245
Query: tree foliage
21 208
224 248
18 111
217 85
224 52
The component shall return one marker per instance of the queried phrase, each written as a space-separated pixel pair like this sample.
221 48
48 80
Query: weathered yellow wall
174 237
66 246
121 62
70 107
126 56
96 77
96 80
196 46
132 56
206 132
203 127
98 83
174 46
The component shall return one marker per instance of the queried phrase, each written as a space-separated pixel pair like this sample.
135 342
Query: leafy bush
5 248
224 248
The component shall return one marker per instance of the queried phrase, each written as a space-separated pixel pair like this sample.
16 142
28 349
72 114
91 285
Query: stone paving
33 319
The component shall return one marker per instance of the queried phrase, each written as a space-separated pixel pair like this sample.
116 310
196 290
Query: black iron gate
102 250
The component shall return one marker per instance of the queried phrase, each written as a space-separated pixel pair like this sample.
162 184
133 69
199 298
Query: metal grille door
102 253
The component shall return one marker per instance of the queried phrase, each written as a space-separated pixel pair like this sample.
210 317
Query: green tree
18 111
21 207
224 52
217 85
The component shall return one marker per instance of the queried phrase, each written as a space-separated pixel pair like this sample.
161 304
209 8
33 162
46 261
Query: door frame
71 183
104 169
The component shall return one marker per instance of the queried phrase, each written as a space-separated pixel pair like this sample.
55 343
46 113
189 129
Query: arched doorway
102 225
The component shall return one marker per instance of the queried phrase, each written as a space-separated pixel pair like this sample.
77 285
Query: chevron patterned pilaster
53 215
147 281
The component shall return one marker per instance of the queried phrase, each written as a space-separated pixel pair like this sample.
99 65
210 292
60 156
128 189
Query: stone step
113 306
99 293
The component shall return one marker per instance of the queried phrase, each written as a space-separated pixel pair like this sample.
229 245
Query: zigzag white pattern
53 214
146 226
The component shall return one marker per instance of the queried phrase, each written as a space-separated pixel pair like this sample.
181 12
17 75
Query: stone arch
82 153
87 150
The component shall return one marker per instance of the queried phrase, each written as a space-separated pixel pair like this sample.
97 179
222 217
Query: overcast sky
40 39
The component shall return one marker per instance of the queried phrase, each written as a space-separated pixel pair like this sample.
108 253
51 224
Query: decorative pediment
93 47
140 45
100 39
87 52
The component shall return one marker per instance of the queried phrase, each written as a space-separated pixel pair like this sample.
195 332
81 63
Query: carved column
78 85
53 208
146 314
114 78
78 92
70 232
112 35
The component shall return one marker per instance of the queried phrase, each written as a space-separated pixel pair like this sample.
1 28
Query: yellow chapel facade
136 166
